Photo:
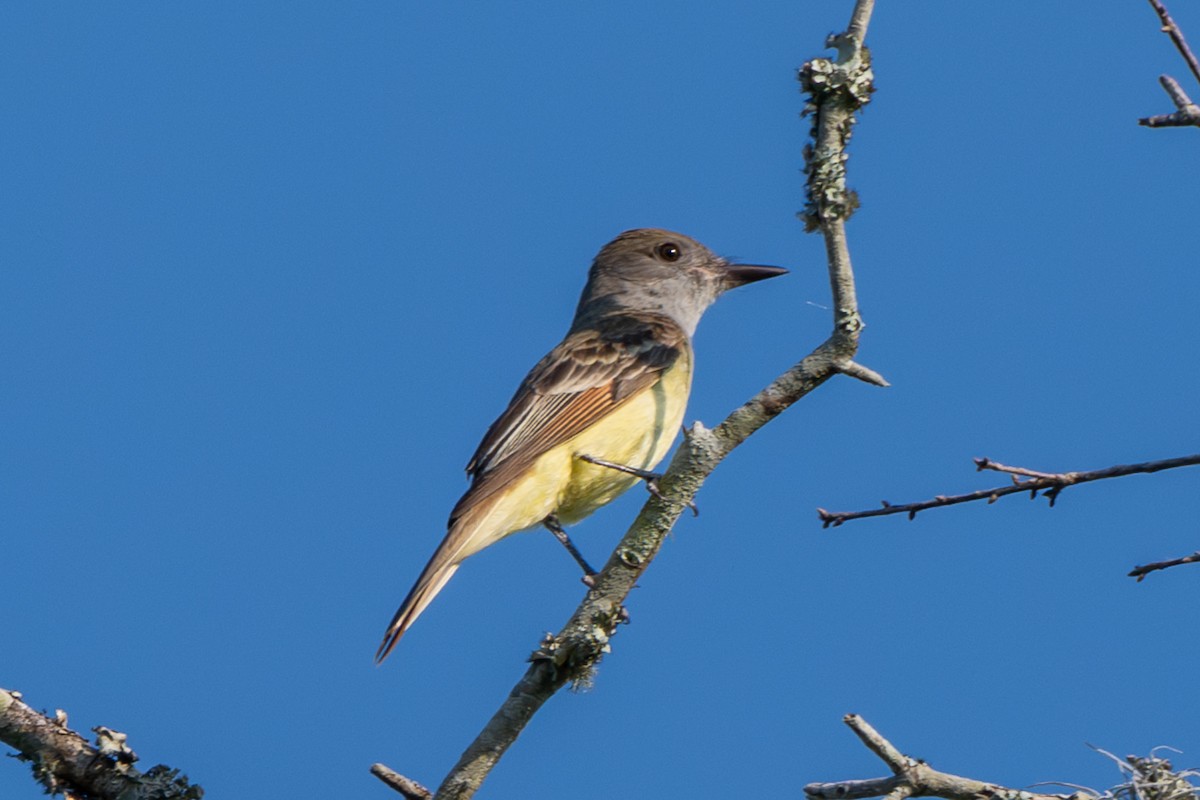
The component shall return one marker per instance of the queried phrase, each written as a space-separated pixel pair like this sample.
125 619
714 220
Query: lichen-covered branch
1186 112
64 762
837 88
1049 484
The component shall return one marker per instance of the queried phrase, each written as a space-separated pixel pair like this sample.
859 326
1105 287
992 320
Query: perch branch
837 89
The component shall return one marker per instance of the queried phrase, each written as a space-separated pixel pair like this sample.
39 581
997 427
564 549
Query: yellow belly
638 434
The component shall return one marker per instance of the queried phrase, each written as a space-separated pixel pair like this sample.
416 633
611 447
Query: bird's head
650 269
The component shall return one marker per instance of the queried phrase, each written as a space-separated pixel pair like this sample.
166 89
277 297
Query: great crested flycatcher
614 390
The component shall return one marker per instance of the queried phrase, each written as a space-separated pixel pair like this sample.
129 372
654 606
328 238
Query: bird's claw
652 487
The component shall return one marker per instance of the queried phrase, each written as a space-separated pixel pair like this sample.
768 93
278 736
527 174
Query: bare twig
875 742
64 762
995 466
1186 112
858 371
1141 572
405 786
838 88
1172 29
1050 484
913 778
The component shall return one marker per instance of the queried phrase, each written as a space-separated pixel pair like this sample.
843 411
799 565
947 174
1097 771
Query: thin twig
1186 112
876 743
1050 484
1142 571
986 463
1172 29
855 370
838 88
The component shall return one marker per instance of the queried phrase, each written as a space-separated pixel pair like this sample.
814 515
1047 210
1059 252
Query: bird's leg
651 478
554 526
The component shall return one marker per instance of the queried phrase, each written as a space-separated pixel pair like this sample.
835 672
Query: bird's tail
437 572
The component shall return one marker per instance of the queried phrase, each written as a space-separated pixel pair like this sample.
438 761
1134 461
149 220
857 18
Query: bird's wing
577 384
591 373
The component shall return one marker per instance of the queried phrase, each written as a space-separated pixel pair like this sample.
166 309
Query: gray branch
1141 571
1050 484
405 786
65 762
1149 778
1186 112
837 88
914 778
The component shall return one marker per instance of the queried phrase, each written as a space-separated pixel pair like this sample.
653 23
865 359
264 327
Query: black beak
741 274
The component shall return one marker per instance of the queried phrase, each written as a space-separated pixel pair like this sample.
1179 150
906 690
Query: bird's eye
668 251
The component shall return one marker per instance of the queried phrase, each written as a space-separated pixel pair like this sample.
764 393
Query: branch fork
1186 112
914 778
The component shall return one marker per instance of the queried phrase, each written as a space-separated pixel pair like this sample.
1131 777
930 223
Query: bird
597 413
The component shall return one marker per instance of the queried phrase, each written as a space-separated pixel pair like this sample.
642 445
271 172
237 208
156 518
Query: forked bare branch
1186 112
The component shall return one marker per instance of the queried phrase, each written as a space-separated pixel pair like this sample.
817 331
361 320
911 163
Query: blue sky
268 271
